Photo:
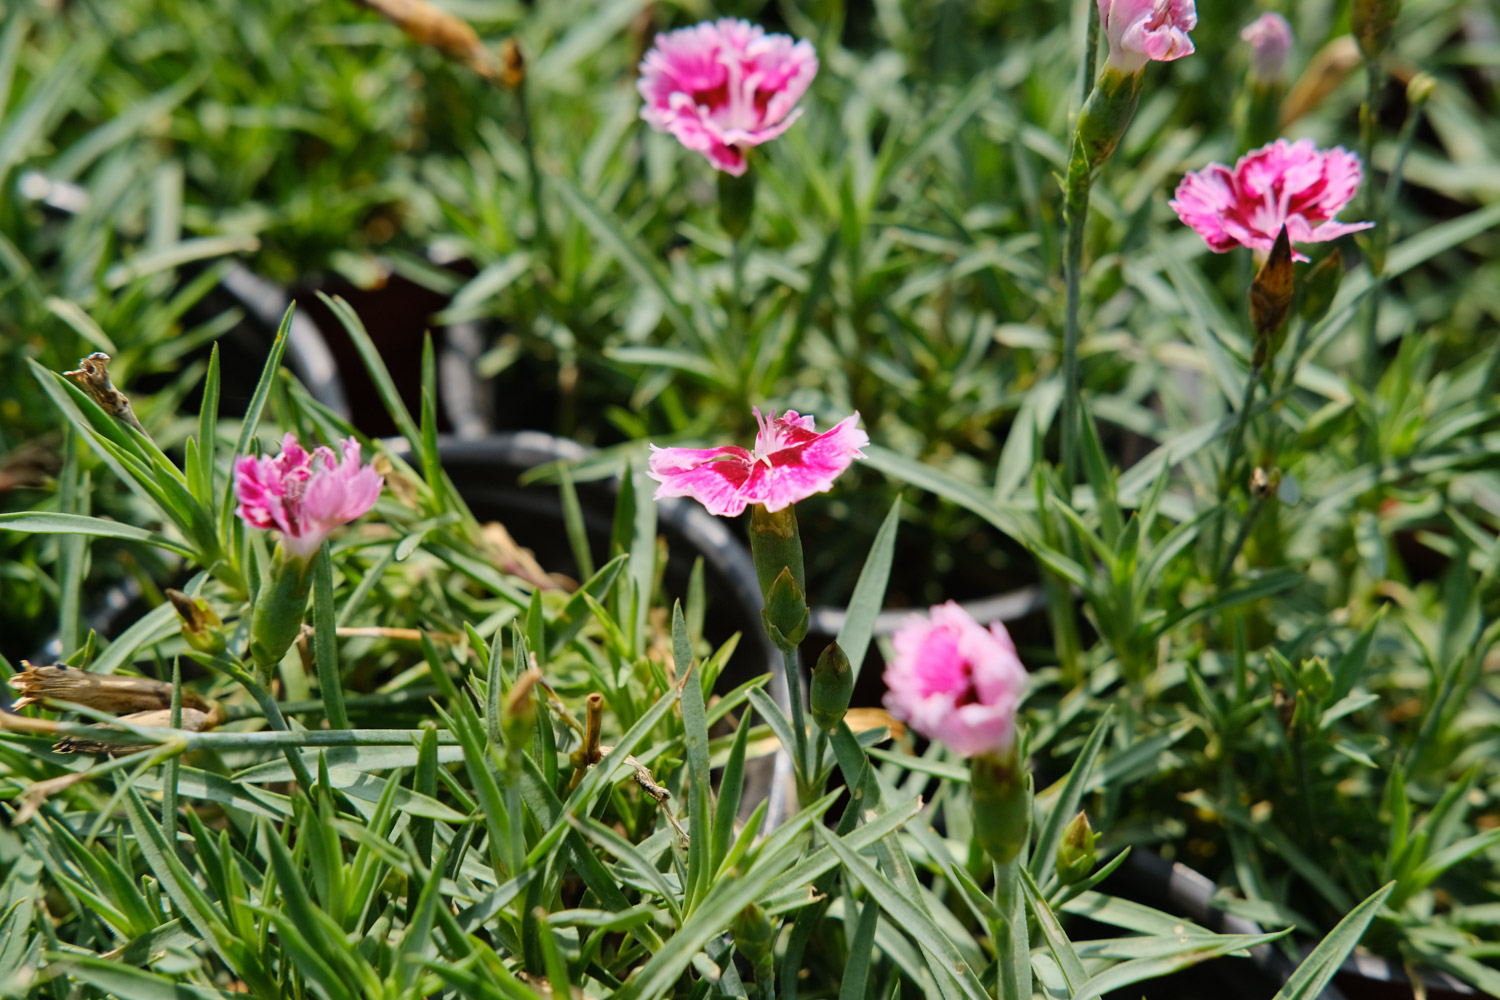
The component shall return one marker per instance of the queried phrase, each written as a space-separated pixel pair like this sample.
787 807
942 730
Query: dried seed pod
105 692
92 376
193 721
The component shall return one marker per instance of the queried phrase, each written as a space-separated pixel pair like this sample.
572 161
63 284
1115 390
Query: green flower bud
1000 797
736 202
202 627
1420 90
753 933
277 618
1373 22
832 684
1077 853
786 614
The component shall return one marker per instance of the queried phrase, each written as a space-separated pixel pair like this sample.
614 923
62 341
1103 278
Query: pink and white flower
1270 38
1294 184
1142 31
723 86
954 681
791 462
304 495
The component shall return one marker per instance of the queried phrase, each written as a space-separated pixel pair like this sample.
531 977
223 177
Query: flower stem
1374 77
1076 208
1011 924
1231 462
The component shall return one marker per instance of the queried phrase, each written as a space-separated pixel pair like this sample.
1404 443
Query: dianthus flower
791 462
723 86
956 682
304 495
1292 184
1142 31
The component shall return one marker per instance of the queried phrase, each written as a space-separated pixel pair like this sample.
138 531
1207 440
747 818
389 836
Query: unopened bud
786 614
1373 22
1270 38
1321 285
202 627
753 933
1420 90
518 713
1271 297
1078 852
1001 802
832 684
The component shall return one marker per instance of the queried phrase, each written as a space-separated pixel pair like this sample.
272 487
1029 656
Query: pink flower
721 86
1142 31
1270 38
955 682
1286 183
790 462
304 496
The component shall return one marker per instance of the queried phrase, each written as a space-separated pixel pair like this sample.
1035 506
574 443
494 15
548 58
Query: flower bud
832 684
1000 797
1077 853
1321 285
1373 22
786 614
736 202
1420 90
201 625
753 933
1270 38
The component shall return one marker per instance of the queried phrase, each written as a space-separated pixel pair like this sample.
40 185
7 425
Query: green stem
1012 923
1076 209
765 977
1232 460
266 740
1375 210
799 725
1242 536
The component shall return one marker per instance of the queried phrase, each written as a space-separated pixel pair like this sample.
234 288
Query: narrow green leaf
910 917
1317 970
869 591
861 948
1065 807
43 523
695 736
